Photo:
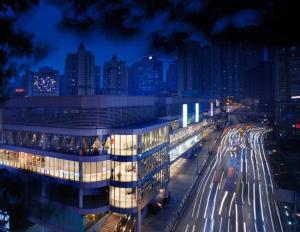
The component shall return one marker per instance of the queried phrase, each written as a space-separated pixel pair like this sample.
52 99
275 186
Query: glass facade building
113 153
55 167
67 144
138 156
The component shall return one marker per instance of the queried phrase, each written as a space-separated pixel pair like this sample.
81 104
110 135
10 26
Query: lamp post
138 215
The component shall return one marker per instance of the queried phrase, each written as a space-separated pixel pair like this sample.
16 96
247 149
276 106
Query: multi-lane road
235 193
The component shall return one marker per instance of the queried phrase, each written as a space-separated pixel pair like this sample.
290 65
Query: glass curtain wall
67 144
153 185
154 138
96 171
125 145
124 171
149 163
60 168
184 146
122 197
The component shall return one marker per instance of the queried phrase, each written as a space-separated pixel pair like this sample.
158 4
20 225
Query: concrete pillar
80 196
44 187
138 215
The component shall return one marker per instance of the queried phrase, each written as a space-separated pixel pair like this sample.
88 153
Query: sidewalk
182 174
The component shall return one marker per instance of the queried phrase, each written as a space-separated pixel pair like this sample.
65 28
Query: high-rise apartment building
172 77
189 79
98 79
115 77
259 87
287 94
147 76
80 73
217 70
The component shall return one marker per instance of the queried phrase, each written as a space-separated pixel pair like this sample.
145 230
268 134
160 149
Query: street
235 191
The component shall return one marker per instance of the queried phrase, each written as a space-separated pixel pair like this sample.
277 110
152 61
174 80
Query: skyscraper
98 79
115 77
80 73
189 79
147 76
172 77
45 82
259 87
227 64
287 94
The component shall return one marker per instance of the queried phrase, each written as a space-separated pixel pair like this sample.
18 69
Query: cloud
266 19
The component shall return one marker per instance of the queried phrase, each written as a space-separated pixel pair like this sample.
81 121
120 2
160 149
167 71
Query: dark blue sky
160 27
44 20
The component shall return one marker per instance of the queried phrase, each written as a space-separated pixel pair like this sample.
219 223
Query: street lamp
138 206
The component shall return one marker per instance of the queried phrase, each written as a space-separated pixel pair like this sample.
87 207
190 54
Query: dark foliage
15 43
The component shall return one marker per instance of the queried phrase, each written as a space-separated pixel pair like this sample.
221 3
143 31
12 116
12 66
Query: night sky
154 35
133 28
44 21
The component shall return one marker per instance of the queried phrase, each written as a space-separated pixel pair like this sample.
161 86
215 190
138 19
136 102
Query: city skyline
146 116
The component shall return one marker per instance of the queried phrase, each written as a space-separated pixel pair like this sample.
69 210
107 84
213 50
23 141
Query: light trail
187 227
236 219
224 197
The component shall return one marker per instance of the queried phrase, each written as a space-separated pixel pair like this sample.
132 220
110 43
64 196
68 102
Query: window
123 145
154 138
122 197
124 171
64 169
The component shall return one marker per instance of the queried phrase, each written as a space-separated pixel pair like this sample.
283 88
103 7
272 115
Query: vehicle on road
230 172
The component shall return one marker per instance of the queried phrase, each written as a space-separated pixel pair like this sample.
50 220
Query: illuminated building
45 82
147 76
106 153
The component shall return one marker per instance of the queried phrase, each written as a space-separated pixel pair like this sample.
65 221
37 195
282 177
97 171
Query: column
80 198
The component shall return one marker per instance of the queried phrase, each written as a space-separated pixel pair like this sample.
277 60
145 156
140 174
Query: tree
15 43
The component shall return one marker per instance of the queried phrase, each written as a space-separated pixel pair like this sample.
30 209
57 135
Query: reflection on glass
149 163
152 186
183 147
154 138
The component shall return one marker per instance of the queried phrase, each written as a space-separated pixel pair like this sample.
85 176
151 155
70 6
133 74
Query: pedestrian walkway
182 174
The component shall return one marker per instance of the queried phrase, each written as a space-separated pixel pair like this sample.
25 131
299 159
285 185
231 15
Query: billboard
184 115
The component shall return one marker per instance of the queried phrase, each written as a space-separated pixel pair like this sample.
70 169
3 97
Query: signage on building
184 115
196 112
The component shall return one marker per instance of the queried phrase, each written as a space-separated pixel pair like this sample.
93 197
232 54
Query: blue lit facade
107 153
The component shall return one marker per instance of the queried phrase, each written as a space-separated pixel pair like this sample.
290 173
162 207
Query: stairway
110 223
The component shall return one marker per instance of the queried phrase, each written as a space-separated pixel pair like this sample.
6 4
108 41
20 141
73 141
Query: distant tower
189 79
172 77
115 77
80 73
147 76
98 79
